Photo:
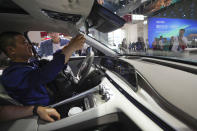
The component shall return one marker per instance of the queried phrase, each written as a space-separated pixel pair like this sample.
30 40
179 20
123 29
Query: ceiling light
137 17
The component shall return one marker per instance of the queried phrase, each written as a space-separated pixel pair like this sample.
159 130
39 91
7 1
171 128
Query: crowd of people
140 45
176 43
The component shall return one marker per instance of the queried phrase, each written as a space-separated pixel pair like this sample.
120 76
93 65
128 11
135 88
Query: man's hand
77 42
46 113
101 2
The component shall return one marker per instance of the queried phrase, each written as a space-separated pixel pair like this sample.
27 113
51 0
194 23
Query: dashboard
120 101
117 92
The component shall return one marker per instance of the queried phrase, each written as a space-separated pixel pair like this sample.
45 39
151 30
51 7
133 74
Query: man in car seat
25 81
10 112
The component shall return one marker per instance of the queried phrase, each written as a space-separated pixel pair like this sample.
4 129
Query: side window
4 61
47 43
85 50
36 39
97 52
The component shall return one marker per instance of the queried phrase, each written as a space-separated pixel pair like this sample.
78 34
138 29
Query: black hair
182 30
7 39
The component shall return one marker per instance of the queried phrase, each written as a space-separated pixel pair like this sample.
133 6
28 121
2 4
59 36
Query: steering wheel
85 67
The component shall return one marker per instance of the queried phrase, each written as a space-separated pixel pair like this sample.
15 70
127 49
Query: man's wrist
35 110
71 47
68 49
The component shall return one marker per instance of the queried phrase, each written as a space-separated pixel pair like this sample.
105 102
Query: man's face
181 33
54 35
23 49
168 2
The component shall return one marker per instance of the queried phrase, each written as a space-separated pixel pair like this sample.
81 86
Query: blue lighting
167 27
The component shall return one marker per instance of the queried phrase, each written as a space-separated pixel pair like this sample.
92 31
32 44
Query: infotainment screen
123 69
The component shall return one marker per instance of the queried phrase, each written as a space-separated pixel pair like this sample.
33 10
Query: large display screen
167 27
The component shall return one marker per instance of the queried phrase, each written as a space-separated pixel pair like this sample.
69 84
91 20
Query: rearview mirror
104 20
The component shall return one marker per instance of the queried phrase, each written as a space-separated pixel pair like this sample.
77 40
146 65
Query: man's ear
10 50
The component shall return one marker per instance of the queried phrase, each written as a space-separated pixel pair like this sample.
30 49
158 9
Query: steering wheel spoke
85 66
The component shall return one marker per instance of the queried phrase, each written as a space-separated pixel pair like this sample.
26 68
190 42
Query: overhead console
103 19
73 18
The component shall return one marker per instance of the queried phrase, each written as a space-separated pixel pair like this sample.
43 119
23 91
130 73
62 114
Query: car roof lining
37 20
8 6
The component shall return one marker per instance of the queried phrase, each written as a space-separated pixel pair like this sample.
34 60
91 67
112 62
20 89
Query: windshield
164 28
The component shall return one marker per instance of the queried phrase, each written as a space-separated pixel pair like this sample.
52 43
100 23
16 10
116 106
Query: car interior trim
148 113
164 58
175 66
164 104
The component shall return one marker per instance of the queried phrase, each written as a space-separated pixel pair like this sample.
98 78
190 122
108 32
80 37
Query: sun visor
103 19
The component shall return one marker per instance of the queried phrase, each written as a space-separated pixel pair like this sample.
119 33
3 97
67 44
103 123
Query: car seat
5 99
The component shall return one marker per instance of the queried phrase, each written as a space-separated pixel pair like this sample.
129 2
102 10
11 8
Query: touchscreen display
123 69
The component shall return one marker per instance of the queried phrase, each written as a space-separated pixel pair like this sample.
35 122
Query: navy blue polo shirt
25 82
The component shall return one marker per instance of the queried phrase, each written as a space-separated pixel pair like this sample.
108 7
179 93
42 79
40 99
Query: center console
83 101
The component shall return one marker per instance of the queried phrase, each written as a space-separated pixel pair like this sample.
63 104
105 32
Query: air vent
73 18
